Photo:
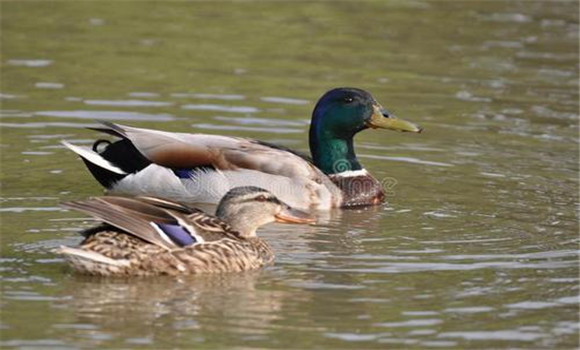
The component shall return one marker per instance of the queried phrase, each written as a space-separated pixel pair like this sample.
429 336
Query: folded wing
186 151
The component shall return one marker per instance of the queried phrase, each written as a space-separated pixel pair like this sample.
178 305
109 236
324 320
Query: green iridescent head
338 116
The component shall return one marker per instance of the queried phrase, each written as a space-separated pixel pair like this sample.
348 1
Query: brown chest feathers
361 190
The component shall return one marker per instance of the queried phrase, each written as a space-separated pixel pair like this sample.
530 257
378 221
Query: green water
478 246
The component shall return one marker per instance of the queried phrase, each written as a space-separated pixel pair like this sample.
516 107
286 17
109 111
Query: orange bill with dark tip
294 216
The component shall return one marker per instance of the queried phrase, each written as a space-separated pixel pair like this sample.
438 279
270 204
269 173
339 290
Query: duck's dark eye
348 99
261 198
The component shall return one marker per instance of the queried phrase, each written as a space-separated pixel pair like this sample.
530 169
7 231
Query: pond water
477 247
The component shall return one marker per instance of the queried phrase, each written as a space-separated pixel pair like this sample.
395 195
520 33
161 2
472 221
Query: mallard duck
149 236
202 168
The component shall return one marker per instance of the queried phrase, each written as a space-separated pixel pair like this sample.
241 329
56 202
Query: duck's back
202 168
151 236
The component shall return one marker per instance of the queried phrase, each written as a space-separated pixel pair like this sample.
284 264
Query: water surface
477 247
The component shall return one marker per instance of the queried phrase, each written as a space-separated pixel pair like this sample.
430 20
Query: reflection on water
173 305
405 159
128 103
30 63
477 247
143 94
46 85
284 100
209 96
40 125
107 115
221 108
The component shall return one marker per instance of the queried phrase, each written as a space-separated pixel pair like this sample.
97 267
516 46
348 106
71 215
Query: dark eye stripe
267 199
273 200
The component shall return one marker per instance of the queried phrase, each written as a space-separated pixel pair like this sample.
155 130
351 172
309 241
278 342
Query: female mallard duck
202 168
149 236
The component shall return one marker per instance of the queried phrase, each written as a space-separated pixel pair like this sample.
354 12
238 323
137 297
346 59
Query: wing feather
141 217
168 204
131 221
206 226
182 150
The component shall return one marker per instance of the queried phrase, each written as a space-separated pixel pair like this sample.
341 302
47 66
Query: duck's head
346 111
339 115
248 208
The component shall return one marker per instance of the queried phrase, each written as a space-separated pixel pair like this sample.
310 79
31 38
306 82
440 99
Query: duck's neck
245 228
331 153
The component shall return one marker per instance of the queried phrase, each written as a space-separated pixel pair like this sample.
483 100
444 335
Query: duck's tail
111 165
104 171
92 263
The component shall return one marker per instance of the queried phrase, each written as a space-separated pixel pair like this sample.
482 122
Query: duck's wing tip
87 255
112 128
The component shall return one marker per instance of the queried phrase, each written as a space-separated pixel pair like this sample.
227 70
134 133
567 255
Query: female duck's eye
261 198
348 99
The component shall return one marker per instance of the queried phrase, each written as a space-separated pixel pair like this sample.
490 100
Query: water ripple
537 255
47 124
421 322
493 335
47 85
25 209
322 285
469 309
30 62
536 305
285 100
395 267
143 94
107 115
209 96
221 108
407 160
128 103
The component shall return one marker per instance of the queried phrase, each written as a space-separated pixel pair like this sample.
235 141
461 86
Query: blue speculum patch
183 173
177 234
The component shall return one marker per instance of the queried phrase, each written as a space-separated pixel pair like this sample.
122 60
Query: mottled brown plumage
139 237
135 257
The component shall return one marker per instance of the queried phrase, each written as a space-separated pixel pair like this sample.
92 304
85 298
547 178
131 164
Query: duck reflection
237 305
154 307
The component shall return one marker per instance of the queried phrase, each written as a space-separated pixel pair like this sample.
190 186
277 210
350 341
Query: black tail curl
120 153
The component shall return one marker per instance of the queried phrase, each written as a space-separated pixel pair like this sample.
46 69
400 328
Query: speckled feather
108 250
145 259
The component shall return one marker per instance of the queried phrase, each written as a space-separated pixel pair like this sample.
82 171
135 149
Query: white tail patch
93 157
